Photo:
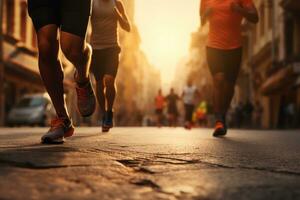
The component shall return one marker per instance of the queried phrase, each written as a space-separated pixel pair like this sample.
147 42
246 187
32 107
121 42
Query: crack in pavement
285 172
135 165
151 184
146 182
30 165
138 162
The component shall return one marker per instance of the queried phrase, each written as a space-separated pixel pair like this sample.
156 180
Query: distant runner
172 99
189 96
224 49
159 107
105 61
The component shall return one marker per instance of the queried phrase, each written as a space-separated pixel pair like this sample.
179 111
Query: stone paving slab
150 163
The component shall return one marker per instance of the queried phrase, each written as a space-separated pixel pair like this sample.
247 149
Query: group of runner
62 25
189 98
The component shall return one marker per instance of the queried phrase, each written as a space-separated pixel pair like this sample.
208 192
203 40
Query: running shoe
86 101
60 129
220 129
107 122
188 125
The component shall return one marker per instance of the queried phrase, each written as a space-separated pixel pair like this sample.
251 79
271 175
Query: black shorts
105 62
158 111
227 62
70 16
172 110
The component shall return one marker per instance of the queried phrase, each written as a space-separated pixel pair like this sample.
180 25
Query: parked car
32 110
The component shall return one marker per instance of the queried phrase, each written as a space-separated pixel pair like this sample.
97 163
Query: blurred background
165 48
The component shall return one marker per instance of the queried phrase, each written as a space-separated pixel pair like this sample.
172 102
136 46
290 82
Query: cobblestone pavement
150 163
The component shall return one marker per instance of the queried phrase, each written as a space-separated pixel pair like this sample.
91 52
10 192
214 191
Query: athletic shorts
227 62
158 111
172 110
71 16
105 62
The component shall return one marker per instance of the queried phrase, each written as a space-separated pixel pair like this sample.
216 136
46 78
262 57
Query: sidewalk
150 163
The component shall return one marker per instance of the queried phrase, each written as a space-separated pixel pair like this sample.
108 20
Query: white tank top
104 25
189 95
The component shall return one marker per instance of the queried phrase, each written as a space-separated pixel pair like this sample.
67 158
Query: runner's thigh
75 16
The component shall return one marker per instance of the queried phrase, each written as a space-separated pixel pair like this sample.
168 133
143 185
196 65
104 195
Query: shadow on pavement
35 156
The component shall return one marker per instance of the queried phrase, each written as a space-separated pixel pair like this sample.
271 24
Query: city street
150 163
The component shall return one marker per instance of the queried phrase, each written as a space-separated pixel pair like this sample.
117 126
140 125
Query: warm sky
165 27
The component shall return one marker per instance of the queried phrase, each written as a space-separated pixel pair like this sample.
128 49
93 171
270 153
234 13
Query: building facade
21 75
272 48
20 57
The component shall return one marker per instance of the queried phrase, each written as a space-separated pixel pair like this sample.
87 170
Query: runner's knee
48 49
219 79
72 54
75 51
109 81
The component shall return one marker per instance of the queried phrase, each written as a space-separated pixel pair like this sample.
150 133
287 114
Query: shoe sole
69 133
106 129
219 133
87 115
49 141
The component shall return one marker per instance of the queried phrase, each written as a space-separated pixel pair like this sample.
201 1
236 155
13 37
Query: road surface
150 163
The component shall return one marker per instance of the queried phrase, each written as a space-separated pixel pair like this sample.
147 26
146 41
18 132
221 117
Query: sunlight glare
165 27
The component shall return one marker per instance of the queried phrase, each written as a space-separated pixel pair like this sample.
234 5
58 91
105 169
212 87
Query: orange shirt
159 102
224 24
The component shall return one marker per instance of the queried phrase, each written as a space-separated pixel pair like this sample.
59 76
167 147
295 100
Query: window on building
23 21
10 12
262 19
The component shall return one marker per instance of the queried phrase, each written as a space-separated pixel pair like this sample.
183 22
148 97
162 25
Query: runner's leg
232 66
220 96
110 91
50 67
79 53
100 95
74 21
97 68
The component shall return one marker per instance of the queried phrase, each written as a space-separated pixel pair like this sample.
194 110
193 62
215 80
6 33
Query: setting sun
165 27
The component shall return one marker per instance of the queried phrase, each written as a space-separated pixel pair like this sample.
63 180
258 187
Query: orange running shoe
188 125
60 129
220 129
86 100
